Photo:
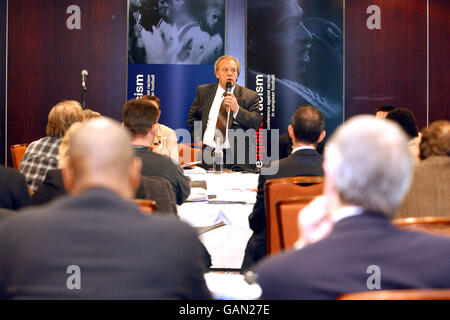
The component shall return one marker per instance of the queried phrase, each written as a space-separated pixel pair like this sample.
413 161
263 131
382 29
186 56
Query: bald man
95 243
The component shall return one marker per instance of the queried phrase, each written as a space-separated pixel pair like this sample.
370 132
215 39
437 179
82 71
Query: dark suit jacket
13 189
156 165
339 263
306 162
152 188
50 189
247 117
121 253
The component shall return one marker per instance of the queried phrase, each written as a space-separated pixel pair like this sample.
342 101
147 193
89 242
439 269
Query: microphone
84 75
228 86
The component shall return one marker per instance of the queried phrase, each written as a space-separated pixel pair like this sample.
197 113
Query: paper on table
227 286
198 194
194 170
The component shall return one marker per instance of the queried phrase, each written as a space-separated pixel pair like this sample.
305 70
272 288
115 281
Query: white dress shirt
208 137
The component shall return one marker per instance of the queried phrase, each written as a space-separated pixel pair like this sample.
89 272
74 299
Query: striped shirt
41 156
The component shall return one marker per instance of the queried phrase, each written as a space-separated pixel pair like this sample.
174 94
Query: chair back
17 152
404 294
187 153
287 211
279 189
436 225
146 206
159 190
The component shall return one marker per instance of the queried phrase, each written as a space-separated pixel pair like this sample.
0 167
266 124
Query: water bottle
164 149
218 157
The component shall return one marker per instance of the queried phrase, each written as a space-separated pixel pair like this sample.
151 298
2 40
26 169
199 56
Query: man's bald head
100 154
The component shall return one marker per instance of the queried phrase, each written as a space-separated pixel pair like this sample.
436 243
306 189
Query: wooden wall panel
46 60
387 66
439 60
2 79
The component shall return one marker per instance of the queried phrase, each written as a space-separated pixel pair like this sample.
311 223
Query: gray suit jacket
339 263
121 253
247 117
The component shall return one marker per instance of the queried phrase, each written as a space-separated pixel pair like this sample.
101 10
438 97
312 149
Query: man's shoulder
297 158
207 87
166 131
246 92
10 173
157 163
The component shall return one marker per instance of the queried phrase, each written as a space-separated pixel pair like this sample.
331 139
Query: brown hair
61 117
308 123
89 114
155 99
435 140
139 115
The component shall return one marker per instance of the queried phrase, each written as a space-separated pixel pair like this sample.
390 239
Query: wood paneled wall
2 78
439 60
45 59
386 66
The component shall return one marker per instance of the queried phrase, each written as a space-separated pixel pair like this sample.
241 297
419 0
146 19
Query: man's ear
322 136
154 129
291 132
135 173
68 177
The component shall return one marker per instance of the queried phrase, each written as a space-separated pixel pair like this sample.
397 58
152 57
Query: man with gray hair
96 243
368 172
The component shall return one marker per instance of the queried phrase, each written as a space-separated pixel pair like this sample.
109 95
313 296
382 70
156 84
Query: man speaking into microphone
219 110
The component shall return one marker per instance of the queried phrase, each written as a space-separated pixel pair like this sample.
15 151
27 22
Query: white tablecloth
226 244
223 188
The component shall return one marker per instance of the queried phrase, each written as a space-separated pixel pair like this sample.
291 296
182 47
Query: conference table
219 206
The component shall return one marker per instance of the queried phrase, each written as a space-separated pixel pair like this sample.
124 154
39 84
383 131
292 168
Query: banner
172 46
295 57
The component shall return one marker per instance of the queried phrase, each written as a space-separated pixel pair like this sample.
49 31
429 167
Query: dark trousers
255 251
231 159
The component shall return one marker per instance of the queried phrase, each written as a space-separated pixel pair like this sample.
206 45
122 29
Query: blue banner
294 57
172 46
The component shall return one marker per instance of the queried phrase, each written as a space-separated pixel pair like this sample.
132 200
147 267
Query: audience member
429 194
381 112
13 191
368 172
164 133
306 130
96 244
140 116
6 213
53 185
42 154
89 114
406 119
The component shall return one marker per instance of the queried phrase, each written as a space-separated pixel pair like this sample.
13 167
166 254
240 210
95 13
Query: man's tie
221 123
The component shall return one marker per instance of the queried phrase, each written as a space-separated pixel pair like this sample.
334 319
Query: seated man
430 189
42 154
140 116
306 130
381 112
164 133
368 172
97 244
13 191
406 119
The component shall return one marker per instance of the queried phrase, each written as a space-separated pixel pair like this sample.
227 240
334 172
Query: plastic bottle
218 157
164 149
